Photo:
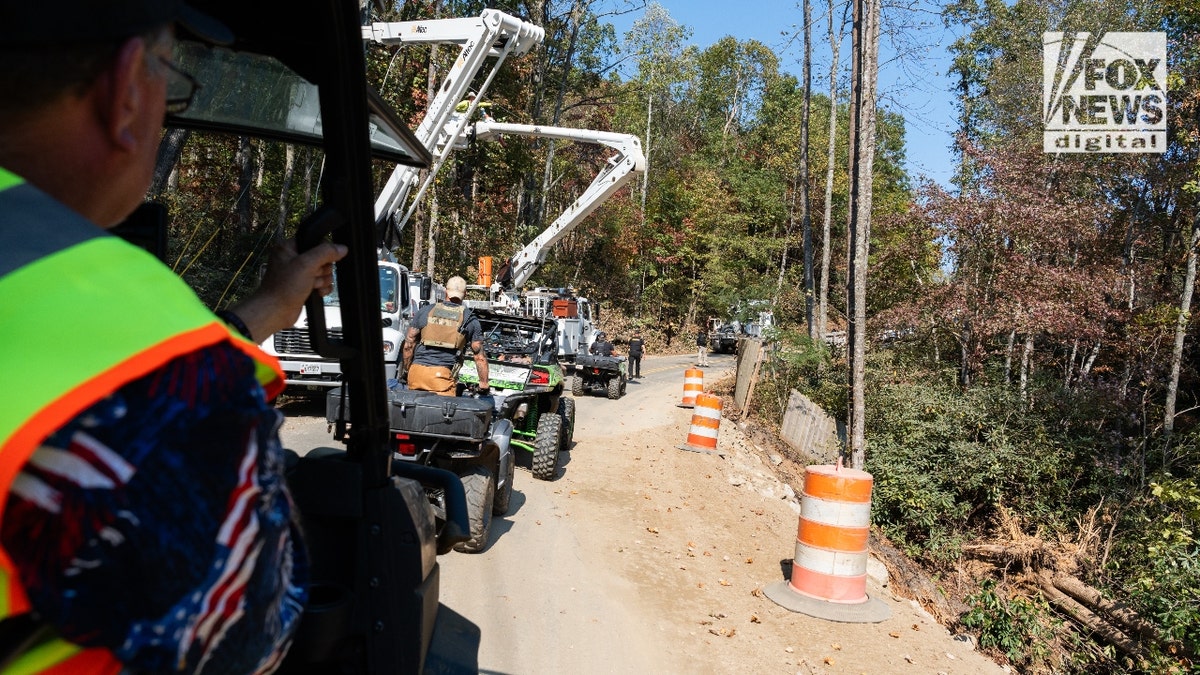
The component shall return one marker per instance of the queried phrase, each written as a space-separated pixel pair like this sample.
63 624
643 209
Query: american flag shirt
157 524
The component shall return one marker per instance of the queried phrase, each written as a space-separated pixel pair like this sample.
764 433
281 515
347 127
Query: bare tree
864 76
835 40
805 205
1181 324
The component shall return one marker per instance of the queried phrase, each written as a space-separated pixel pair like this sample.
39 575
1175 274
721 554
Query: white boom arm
620 169
493 34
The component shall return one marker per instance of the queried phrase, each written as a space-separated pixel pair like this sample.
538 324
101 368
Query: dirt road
644 558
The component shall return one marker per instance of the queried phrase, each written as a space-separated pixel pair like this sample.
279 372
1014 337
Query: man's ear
124 95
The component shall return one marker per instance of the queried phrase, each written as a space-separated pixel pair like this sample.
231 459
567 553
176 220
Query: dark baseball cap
25 24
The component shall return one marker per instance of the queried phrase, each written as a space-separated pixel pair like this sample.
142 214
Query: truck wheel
566 410
577 385
480 487
504 494
614 388
545 456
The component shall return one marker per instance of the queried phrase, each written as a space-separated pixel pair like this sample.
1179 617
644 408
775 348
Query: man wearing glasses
144 521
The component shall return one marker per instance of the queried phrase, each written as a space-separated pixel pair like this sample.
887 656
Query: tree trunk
289 169
1181 324
1026 352
1087 365
168 156
1070 374
805 206
1008 354
862 160
831 160
433 233
417 219
309 165
243 207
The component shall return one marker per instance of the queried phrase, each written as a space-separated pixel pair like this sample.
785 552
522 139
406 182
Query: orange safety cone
829 570
706 421
693 384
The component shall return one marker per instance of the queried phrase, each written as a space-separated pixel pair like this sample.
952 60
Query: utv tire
545 456
566 410
504 495
577 385
614 388
480 487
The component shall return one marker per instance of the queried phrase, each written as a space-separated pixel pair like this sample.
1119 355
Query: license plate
310 369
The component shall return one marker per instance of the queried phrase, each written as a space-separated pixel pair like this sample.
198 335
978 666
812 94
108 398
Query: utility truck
492 36
577 317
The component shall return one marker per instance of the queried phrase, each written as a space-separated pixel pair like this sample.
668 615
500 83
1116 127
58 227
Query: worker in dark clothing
701 347
437 338
601 347
637 347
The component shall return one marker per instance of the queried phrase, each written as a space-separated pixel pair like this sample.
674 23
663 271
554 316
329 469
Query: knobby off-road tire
480 487
614 388
504 495
545 456
577 385
566 410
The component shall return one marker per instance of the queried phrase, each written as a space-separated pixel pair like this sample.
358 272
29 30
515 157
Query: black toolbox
423 412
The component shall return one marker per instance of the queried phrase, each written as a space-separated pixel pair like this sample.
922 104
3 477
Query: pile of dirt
660 338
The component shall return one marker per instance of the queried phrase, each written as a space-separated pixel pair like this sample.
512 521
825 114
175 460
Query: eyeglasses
181 88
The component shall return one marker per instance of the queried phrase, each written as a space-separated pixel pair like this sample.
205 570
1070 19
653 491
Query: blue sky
912 80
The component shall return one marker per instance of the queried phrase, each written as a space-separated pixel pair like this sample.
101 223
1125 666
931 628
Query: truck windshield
390 290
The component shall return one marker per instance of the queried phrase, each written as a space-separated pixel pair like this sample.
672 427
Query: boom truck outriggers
493 36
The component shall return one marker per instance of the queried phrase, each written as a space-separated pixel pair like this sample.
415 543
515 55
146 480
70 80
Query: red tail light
540 377
405 446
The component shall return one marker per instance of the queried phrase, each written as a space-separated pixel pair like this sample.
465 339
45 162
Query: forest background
1032 378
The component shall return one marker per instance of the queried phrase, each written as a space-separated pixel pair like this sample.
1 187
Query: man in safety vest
437 338
145 525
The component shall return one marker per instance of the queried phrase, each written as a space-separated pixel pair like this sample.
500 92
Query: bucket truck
492 36
576 316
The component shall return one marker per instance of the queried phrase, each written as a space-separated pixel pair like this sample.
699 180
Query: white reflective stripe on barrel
842 514
836 563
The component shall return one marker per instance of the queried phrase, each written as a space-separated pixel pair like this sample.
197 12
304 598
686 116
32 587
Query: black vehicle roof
533 323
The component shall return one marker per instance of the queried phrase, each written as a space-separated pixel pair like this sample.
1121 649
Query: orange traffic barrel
706 421
829 569
693 385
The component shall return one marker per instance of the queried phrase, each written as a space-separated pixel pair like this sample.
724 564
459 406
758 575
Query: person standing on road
437 338
701 347
637 347
146 525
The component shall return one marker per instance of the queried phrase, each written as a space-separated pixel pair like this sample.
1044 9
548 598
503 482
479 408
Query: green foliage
945 461
1014 626
1157 563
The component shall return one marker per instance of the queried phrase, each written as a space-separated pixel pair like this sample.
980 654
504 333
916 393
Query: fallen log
1086 618
1120 613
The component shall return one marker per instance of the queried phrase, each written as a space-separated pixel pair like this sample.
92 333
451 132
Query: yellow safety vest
82 313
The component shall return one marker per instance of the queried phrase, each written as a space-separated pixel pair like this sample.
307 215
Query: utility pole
864 76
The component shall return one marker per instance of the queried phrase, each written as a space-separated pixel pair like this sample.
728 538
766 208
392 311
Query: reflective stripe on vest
82 313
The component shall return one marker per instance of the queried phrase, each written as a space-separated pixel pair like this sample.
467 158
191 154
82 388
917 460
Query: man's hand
289 279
